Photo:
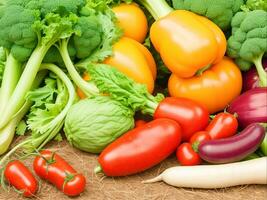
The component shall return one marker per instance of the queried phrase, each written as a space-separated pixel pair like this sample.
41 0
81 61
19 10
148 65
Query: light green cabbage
91 124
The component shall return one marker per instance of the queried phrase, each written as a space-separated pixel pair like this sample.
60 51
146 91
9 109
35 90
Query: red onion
251 77
250 107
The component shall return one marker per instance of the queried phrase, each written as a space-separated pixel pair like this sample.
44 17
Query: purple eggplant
251 77
250 107
234 148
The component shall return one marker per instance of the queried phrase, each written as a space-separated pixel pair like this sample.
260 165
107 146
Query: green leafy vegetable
219 11
53 31
93 123
7 133
248 42
28 35
110 81
50 107
21 128
255 5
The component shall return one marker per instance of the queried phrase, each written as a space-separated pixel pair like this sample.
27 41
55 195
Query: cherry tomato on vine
200 137
187 156
51 167
222 126
19 176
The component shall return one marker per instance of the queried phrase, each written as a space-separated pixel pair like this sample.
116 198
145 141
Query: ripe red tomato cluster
223 125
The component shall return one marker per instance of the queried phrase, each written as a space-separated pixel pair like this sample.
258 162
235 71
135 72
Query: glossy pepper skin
223 125
132 20
215 88
191 115
187 42
19 176
187 156
135 61
56 170
141 148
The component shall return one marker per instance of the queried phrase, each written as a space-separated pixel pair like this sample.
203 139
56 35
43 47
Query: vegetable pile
89 68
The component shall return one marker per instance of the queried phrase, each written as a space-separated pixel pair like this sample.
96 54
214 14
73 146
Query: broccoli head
248 42
17 33
255 5
89 36
218 11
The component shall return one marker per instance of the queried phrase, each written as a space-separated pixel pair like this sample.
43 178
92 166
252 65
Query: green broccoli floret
27 35
89 38
248 41
255 5
17 33
219 11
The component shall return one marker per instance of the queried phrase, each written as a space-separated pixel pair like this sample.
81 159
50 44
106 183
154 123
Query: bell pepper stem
261 71
157 9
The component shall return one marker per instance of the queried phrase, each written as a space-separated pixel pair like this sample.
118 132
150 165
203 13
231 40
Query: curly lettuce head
92 124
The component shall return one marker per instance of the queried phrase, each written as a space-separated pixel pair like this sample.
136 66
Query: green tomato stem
11 76
25 82
97 169
261 72
13 150
88 88
157 8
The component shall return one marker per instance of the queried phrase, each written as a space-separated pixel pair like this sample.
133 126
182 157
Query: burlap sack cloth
100 187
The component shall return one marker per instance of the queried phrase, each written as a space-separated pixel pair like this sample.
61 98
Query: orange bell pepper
134 60
80 93
132 20
186 42
215 88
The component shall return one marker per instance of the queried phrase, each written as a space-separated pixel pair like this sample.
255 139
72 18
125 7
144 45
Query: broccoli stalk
10 78
261 72
48 31
88 88
45 123
248 42
8 132
157 9
99 33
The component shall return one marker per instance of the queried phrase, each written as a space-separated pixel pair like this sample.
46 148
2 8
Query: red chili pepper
56 170
19 176
187 156
140 148
222 126
191 115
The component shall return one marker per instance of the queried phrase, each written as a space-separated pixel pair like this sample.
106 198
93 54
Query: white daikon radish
216 176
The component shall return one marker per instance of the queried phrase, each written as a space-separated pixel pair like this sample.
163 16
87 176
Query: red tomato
189 114
187 156
19 176
56 170
200 137
222 126
139 123
141 148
